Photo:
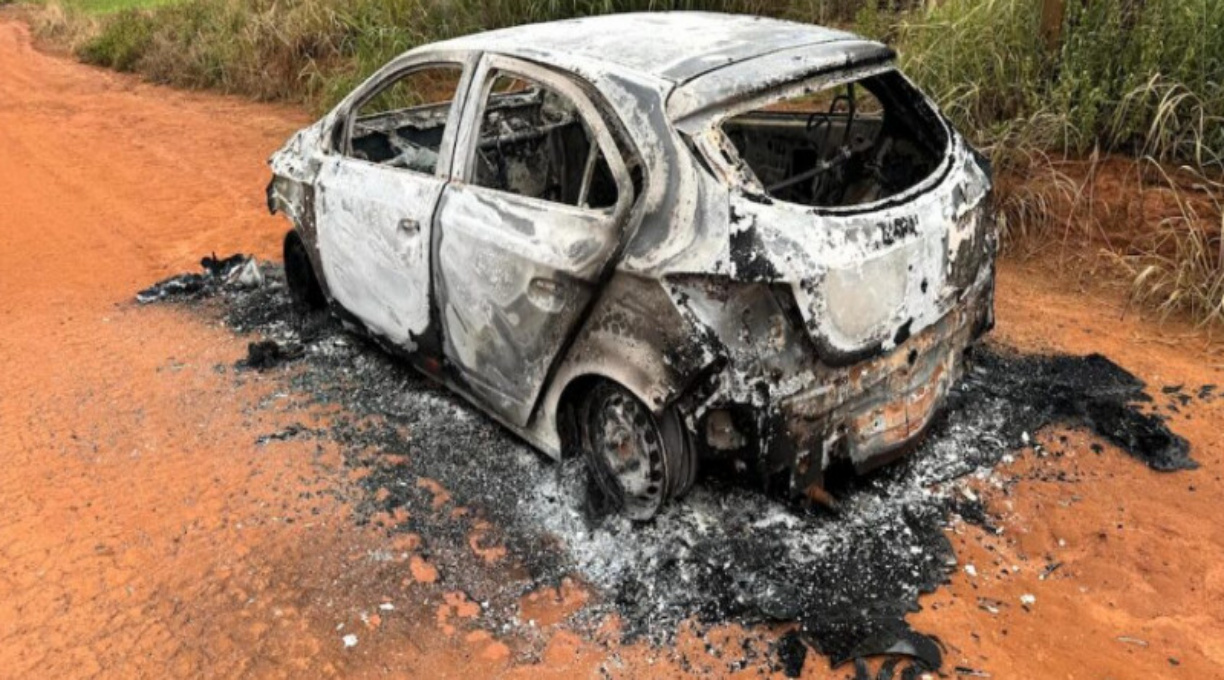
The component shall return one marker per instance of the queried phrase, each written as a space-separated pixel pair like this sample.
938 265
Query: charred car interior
534 143
843 145
402 125
741 241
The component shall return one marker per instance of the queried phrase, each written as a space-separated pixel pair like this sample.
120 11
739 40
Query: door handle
410 226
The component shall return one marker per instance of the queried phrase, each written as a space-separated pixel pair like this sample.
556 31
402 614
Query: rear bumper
864 414
872 412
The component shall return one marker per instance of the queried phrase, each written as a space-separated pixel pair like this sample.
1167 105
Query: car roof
672 46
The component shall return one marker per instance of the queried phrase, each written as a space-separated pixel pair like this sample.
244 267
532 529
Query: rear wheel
304 288
638 462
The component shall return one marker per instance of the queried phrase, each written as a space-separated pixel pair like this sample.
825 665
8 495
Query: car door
376 196
526 231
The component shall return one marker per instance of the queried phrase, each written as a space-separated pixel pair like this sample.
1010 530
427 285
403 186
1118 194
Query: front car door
528 230
376 196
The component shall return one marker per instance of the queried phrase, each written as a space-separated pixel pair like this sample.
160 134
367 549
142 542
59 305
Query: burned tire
304 288
638 462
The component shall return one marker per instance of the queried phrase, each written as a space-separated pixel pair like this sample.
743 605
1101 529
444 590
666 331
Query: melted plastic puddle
723 553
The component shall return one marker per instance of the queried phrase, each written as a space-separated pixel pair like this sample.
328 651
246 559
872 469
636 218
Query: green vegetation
109 6
123 44
1139 79
314 51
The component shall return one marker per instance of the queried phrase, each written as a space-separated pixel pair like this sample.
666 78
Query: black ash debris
723 553
292 431
241 271
267 354
1089 391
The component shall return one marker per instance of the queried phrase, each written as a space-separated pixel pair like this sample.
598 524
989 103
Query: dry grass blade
1180 267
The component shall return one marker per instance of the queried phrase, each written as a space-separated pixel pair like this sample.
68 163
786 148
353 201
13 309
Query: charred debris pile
235 272
724 553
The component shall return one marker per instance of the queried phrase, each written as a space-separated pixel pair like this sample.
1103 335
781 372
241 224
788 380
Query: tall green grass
109 6
1142 79
316 50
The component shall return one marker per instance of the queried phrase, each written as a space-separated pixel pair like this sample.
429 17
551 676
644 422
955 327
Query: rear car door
526 231
376 197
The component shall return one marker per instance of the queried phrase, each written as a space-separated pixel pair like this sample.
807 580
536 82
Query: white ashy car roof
671 46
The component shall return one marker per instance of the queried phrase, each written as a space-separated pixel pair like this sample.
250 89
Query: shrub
124 40
316 50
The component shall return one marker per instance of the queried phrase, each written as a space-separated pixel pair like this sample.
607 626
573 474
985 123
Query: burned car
655 240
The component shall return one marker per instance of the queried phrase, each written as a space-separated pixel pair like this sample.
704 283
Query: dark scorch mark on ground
724 553
1091 391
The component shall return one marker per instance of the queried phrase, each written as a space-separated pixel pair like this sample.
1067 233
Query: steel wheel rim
624 439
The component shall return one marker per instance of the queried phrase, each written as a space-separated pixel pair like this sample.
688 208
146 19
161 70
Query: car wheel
304 288
638 462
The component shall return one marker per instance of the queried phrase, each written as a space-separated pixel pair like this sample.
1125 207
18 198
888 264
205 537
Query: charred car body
656 239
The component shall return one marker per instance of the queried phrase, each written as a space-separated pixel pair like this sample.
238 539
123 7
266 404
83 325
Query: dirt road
144 533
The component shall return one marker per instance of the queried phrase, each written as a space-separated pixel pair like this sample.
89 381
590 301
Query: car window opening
533 142
840 146
403 124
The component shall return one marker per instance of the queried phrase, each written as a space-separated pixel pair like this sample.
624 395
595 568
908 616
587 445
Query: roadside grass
109 6
1131 79
1139 80
314 51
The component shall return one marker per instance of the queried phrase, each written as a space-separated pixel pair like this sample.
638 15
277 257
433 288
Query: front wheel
638 462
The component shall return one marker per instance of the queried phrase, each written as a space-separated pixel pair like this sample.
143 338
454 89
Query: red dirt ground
143 534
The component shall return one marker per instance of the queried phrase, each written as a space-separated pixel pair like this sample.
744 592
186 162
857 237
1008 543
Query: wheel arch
635 338
679 461
302 273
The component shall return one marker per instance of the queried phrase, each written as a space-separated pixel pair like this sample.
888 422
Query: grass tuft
124 42
1179 266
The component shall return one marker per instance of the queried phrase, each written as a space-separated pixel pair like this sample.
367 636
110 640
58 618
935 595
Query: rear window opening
842 146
